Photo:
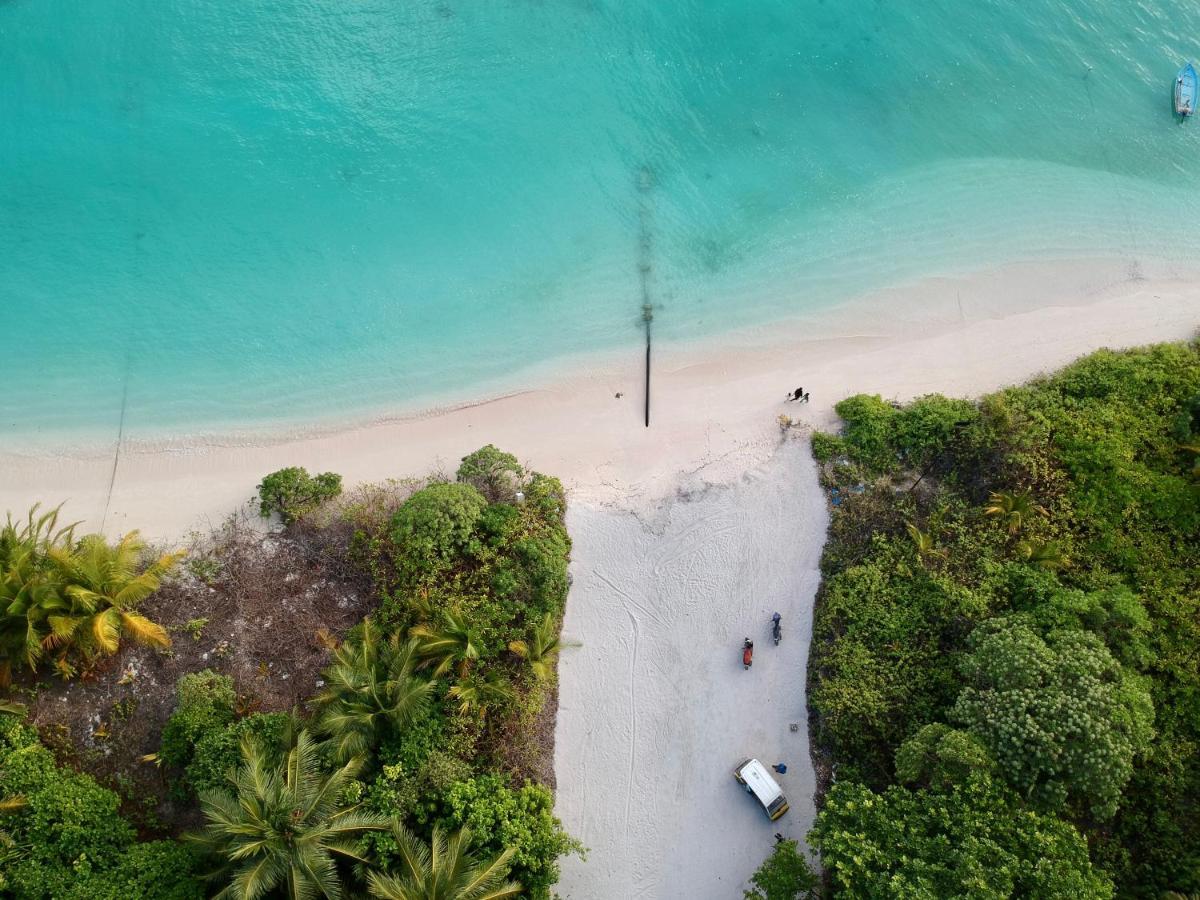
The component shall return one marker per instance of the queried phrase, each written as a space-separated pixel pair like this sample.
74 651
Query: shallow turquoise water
219 213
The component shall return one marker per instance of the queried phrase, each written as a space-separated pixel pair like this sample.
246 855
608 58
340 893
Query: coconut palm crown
455 643
443 870
59 596
542 648
1014 510
369 688
105 584
283 827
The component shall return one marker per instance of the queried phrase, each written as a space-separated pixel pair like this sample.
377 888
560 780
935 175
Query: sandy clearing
654 707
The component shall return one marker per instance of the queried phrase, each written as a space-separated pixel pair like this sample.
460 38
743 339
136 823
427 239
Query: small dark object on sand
619 395
797 394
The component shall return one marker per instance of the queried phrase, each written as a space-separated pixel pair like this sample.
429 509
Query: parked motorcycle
747 653
776 629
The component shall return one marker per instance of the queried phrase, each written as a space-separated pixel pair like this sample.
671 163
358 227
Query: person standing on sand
797 394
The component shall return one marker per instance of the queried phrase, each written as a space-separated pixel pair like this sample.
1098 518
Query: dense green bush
218 751
1094 457
868 429
784 875
498 567
1061 717
889 671
435 527
492 472
940 757
827 448
292 493
927 426
412 745
974 840
70 839
522 820
154 870
205 703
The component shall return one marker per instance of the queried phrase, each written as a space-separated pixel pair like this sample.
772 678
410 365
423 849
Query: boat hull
1185 91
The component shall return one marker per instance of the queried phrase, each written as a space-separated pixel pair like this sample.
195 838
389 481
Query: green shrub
940 757
889 670
925 427
522 820
784 875
497 567
494 473
155 870
1060 716
218 752
1096 449
205 704
827 447
868 430
434 527
410 747
974 840
292 493
70 841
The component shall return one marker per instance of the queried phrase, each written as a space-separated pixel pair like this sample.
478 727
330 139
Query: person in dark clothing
781 768
806 398
797 394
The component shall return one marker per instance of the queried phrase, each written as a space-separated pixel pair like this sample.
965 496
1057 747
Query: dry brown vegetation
263 609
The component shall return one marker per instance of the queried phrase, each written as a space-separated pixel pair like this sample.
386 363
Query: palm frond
143 630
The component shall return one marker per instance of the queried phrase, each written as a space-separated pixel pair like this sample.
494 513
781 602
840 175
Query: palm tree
476 692
443 870
369 687
1043 555
1014 510
104 587
284 827
924 542
36 535
30 587
456 642
542 648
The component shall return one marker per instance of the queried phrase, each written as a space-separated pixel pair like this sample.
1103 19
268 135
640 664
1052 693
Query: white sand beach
687 534
714 404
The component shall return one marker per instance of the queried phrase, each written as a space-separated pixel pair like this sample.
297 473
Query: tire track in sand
635 626
633 718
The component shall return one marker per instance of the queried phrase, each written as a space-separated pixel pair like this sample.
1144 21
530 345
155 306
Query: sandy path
655 708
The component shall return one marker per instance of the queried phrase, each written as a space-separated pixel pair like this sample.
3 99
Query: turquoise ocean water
289 210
